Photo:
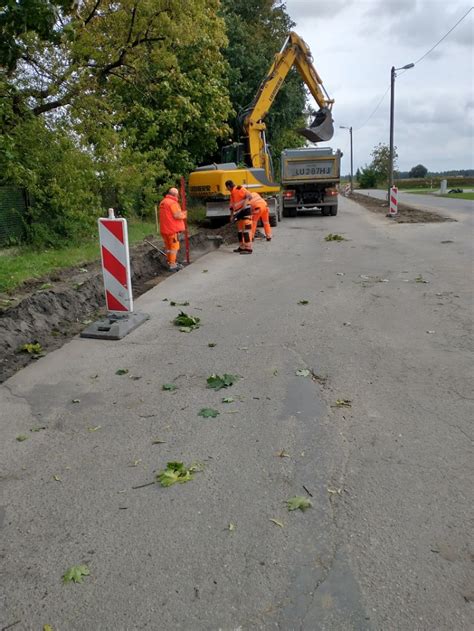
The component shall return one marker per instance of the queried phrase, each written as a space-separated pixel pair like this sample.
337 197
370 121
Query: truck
249 163
309 180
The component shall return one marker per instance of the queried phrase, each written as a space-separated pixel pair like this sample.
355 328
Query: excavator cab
321 129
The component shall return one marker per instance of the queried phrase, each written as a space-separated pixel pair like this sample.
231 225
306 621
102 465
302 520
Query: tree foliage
381 161
107 102
367 177
418 171
130 95
256 30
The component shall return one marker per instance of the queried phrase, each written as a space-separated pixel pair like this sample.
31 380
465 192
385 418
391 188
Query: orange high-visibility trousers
261 212
171 247
244 232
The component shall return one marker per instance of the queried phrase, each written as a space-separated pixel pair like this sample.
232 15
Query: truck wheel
333 210
273 221
291 212
325 211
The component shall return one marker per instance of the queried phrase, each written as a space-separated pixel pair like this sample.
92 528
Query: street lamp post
392 112
352 155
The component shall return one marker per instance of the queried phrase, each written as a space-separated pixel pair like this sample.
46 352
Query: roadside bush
61 181
367 178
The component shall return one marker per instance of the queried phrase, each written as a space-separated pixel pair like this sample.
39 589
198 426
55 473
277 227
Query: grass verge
19 264
460 195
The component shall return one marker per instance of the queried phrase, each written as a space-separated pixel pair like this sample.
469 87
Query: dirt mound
406 214
51 310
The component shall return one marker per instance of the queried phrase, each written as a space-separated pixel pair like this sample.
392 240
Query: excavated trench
51 310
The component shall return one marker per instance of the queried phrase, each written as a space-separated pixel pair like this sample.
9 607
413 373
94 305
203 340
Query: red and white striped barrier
113 236
393 210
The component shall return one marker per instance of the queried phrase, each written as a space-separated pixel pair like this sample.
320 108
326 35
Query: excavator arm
294 52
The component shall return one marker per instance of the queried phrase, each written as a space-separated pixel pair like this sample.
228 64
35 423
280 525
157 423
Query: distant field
428 183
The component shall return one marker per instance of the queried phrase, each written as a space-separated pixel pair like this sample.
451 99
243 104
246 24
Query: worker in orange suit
260 211
241 212
171 218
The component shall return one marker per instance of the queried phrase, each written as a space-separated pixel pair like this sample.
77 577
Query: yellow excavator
208 182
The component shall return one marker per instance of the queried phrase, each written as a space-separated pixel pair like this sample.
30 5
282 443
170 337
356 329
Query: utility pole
392 112
352 155
392 116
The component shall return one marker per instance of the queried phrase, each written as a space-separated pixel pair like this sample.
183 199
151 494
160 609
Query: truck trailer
309 180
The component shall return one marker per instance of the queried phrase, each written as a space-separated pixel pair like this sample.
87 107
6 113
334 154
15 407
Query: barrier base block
115 327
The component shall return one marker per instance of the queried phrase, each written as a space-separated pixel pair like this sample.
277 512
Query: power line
444 36
376 108
415 63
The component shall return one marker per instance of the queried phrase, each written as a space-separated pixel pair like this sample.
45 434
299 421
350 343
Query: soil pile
406 214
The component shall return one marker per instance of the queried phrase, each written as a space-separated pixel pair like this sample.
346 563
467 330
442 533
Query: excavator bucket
321 129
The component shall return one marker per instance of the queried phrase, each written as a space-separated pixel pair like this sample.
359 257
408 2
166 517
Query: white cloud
354 50
313 9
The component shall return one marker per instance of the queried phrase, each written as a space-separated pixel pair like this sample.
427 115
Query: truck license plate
308 169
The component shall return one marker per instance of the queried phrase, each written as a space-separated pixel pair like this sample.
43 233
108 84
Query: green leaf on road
231 527
175 472
21 438
121 371
158 441
334 237
303 302
420 279
186 329
211 344
298 502
303 372
228 400
217 382
94 429
208 413
38 428
75 574
276 522
186 321
342 403
76 401
179 304
169 386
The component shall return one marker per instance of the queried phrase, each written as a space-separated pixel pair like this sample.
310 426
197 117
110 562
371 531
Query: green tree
367 177
418 171
21 20
256 30
380 161
133 91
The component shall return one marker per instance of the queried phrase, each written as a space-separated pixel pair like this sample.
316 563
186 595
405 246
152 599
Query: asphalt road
459 209
387 544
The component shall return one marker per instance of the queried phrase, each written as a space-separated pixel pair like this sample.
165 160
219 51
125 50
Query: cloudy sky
354 45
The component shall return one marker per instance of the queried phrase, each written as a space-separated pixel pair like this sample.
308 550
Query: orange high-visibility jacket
237 198
171 216
256 202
